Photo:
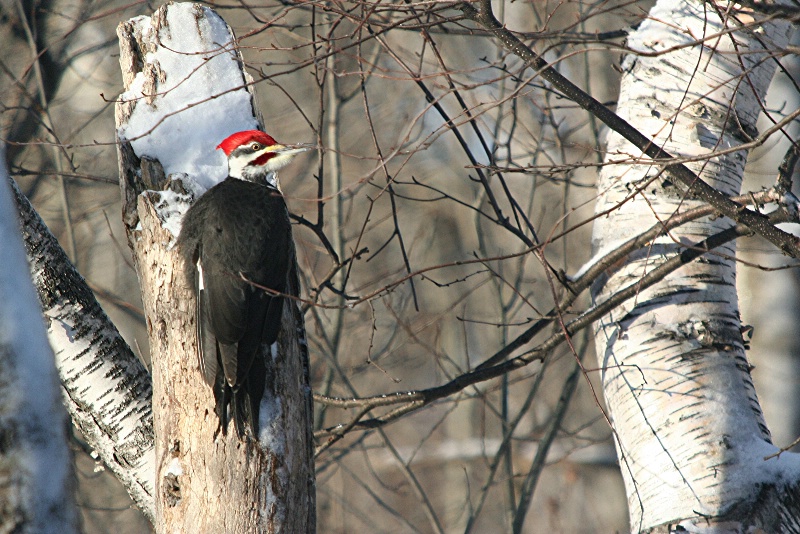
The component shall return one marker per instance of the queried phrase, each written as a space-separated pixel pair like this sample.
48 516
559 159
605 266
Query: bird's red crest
238 139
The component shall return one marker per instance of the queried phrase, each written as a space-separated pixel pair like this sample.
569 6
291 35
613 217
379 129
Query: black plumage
235 238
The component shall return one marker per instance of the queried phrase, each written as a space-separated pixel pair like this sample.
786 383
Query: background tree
455 189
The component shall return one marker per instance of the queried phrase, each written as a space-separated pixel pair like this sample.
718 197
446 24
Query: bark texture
106 389
690 434
207 481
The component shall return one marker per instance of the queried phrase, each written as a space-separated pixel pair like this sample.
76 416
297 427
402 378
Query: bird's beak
291 150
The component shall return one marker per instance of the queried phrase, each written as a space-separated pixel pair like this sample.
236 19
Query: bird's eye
255 146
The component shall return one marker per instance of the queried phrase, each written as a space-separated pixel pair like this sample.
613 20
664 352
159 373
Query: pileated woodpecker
235 241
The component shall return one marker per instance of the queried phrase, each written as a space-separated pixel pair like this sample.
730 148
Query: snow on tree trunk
36 482
690 434
106 389
185 92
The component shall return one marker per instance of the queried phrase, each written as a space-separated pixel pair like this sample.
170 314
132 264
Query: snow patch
769 464
170 207
189 96
271 433
174 468
272 437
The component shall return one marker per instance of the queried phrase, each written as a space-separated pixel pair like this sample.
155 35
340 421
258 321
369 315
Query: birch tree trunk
205 481
689 431
36 479
106 389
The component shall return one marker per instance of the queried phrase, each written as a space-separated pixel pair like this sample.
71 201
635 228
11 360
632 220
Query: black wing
243 244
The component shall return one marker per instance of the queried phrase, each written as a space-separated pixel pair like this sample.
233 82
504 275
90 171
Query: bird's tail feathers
245 412
222 399
237 404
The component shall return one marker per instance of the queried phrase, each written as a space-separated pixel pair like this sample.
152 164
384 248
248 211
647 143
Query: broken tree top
186 92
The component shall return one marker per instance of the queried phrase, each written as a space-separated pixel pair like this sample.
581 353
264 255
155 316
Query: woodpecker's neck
252 173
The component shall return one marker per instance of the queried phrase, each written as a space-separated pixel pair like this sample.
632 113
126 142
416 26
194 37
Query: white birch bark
690 434
205 481
106 389
36 479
